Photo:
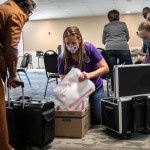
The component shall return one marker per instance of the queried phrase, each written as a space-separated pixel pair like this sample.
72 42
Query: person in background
115 38
59 51
87 58
143 50
144 34
13 15
145 11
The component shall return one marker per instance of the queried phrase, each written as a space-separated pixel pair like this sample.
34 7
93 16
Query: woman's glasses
30 12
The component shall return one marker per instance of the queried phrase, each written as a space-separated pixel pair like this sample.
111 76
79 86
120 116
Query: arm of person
11 82
102 69
142 58
127 32
139 52
62 77
103 37
13 31
61 67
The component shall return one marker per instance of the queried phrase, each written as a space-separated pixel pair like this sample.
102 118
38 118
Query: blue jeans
95 104
124 57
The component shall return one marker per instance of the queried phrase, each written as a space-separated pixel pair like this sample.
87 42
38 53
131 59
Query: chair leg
31 66
56 80
108 94
19 76
111 92
28 78
46 88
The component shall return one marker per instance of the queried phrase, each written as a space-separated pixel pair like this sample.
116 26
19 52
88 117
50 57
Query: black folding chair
24 66
50 62
30 62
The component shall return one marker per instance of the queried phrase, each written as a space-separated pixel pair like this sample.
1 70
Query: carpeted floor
97 138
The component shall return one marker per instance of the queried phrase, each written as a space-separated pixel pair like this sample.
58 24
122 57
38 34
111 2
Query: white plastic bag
83 104
70 92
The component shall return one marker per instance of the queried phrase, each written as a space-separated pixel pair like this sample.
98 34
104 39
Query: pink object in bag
70 92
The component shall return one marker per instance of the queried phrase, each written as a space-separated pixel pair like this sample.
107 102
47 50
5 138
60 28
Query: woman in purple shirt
144 33
89 60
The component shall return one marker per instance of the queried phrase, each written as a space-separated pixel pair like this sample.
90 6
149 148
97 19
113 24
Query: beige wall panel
37 37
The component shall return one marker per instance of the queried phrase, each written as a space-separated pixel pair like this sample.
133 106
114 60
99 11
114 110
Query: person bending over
87 58
13 15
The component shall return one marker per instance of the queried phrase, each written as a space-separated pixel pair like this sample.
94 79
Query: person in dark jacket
13 15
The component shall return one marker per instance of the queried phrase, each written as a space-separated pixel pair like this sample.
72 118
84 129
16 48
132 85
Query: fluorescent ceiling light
128 12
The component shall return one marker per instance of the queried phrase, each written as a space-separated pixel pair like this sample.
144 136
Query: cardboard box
72 123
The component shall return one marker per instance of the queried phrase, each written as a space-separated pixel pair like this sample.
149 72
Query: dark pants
124 56
95 104
4 141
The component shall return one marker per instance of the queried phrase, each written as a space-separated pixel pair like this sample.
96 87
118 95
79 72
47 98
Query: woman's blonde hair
145 25
72 31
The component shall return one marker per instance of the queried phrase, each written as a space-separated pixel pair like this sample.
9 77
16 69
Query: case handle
20 83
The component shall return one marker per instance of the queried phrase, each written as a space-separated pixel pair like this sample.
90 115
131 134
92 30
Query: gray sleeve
126 32
103 36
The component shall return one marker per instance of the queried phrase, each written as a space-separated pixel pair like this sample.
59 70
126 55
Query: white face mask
72 49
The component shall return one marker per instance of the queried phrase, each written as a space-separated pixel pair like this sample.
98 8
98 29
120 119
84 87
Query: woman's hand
84 76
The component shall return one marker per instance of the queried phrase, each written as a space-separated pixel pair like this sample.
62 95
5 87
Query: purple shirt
90 59
147 59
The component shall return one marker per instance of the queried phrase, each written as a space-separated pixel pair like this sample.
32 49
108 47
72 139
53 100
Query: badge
87 59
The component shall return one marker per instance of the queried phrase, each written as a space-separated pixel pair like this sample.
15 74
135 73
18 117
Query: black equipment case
30 122
129 110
